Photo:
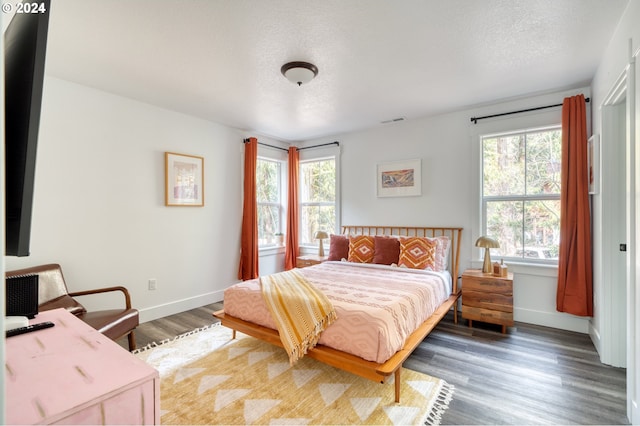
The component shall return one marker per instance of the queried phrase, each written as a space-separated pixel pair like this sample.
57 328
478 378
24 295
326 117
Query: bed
420 298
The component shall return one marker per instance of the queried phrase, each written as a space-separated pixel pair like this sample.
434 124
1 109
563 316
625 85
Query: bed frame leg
397 383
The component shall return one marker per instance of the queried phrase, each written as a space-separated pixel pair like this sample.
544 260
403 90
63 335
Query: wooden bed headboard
454 234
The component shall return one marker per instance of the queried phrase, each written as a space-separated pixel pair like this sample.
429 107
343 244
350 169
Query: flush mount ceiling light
299 72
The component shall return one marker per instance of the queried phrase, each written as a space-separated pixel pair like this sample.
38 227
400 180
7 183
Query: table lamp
487 243
321 235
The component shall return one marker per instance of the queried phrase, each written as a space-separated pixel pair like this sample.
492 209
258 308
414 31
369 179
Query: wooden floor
531 375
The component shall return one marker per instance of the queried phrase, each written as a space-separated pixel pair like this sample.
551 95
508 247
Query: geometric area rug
207 378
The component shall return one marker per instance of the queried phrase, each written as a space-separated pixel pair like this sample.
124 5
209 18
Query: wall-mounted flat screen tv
25 45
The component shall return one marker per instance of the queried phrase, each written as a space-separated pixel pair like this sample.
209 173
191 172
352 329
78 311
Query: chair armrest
125 292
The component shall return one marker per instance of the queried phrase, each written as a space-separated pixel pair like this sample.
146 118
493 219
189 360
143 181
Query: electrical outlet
152 284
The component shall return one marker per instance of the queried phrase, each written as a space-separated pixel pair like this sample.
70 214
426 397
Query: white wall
624 44
616 61
448 146
99 200
614 64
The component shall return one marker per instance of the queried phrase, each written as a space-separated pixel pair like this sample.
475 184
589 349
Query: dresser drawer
494 301
487 285
309 260
303 263
487 315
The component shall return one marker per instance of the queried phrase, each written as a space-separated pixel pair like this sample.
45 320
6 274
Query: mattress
377 306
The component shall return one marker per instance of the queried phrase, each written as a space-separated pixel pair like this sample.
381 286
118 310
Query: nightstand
309 260
487 298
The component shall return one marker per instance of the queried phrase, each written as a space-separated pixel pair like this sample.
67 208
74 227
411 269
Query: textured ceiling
377 59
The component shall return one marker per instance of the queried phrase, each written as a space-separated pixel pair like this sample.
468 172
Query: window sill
537 269
311 250
270 250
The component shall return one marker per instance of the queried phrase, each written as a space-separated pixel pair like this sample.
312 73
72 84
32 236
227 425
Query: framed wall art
184 180
593 163
399 178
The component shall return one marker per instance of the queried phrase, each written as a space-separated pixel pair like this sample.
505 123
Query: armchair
53 294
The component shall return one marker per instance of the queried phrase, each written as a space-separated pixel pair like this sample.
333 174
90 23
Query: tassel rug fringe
153 345
440 405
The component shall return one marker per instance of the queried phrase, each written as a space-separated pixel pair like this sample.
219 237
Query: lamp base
321 250
486 266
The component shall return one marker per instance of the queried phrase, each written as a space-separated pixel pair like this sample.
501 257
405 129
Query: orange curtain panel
291 250
575 275
248 268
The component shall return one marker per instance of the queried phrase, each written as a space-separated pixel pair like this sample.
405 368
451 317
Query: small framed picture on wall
184 180
399 178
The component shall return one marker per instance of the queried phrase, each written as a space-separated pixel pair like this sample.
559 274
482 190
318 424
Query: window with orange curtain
292 247
575 274
248 267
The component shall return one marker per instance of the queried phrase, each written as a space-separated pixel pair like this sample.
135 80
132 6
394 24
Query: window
521 193
269 196
317 198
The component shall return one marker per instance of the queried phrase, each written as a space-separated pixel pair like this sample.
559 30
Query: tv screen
25 44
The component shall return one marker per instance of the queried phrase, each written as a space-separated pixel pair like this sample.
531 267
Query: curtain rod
299 149
266 144
475 119
322 144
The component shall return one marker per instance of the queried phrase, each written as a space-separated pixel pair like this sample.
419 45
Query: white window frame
268 155
520 198
318 154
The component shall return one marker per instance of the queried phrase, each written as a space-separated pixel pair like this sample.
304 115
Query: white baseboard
594 333
553 319
159 311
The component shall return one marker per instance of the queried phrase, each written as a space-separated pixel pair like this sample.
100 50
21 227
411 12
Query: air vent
393 120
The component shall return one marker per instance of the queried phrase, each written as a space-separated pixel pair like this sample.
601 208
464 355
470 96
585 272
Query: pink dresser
72 374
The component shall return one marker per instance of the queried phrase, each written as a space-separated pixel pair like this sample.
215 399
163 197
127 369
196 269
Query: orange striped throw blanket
300 311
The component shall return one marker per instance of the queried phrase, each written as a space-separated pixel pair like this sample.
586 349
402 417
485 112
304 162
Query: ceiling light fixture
299 72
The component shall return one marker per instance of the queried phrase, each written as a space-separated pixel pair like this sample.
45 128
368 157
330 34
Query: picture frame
593 163
399 178
184 180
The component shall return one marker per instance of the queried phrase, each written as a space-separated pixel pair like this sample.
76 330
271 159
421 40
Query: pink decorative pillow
361 249
417 252
386 250
442 253
338 247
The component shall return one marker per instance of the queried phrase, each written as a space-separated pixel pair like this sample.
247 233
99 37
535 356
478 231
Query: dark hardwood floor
531 375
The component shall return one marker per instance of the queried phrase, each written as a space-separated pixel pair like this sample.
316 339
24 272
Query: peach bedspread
378 307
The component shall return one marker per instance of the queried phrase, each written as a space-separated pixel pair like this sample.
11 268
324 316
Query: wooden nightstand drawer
495 301
303 263
309 260
489 285
487 315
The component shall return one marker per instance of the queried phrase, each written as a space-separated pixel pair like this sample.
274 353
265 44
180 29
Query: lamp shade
299 72
487 243
321 235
